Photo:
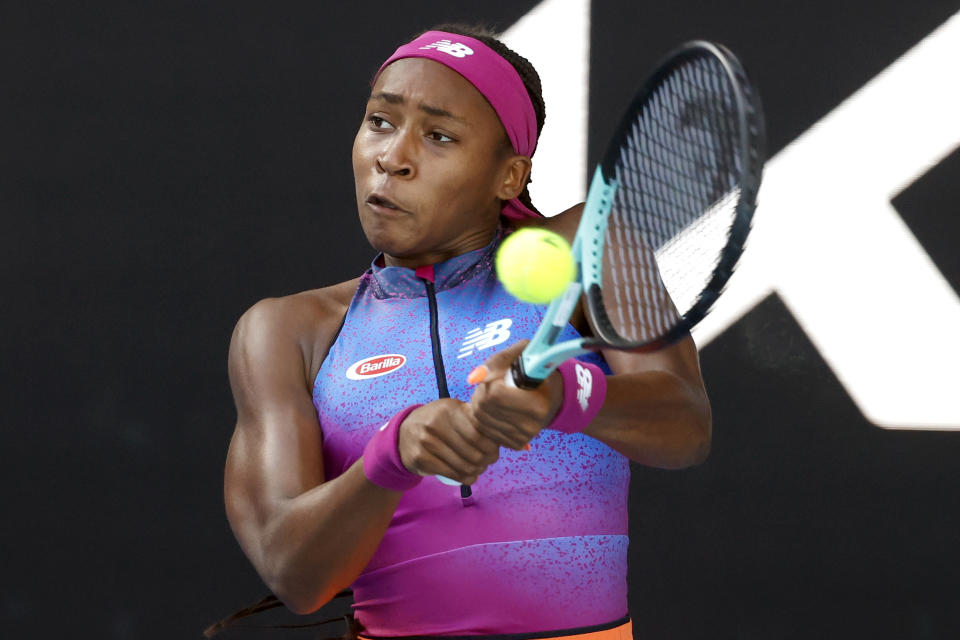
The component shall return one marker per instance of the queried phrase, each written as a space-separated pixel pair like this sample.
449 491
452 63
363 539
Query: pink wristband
381 457
584 389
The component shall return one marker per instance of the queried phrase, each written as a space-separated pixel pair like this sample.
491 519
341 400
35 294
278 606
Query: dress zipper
435 341
426 274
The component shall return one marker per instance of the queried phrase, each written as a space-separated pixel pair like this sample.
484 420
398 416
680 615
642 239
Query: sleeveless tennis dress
542 545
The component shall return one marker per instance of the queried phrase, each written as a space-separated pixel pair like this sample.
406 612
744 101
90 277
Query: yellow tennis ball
535 265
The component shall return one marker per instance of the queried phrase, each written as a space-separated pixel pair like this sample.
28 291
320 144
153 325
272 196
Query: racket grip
519 379
479 374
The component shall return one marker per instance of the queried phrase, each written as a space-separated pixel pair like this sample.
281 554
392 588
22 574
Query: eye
437 136
379 122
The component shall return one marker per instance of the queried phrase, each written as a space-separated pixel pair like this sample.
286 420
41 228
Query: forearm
315 544
656 418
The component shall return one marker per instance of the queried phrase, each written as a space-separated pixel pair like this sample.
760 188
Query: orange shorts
620 632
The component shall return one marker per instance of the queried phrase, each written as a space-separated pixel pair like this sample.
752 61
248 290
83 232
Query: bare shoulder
565 223
301 324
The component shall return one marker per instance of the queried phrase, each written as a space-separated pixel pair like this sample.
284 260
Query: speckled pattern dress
543 546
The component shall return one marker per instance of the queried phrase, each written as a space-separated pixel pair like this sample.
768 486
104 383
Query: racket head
672 200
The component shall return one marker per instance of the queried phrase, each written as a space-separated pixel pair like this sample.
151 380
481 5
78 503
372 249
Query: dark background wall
163 168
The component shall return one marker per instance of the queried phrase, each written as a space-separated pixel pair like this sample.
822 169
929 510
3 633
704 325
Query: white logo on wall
455 49
584 385
494 333
830 244
826 238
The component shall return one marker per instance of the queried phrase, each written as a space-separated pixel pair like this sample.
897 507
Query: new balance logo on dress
456 49
494 333
584 386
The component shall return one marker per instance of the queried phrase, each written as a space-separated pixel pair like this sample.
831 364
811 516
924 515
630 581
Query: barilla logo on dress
375 366
455 49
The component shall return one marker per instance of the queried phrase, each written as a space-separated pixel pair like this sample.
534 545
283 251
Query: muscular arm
656 410
307 538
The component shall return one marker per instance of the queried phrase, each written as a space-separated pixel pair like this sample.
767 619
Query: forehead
426 82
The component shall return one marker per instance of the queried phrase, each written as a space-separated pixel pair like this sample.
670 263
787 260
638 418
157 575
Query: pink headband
494 78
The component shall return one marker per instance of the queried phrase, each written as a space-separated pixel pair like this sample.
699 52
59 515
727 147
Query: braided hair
527 72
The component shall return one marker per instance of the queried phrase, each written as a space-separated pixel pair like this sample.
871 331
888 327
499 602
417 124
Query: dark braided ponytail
528 74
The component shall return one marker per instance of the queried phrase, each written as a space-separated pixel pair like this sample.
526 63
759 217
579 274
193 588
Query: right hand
510 416
441 438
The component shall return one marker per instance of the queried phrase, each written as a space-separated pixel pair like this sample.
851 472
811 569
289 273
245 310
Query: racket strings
678 170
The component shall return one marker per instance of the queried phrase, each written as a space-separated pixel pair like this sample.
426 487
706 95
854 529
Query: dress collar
404 282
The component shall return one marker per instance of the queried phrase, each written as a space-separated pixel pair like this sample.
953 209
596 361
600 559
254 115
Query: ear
516 171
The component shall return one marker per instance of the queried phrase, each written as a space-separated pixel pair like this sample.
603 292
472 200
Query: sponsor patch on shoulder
376 366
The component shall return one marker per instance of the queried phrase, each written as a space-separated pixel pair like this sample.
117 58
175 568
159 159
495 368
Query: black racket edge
752 146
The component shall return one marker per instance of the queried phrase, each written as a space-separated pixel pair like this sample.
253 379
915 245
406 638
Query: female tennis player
352 399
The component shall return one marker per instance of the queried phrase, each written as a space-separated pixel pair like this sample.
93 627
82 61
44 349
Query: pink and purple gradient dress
543 546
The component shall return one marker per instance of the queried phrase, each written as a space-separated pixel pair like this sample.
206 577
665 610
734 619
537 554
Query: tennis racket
666 217
667 213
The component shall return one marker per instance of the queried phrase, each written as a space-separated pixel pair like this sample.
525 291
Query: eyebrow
395 98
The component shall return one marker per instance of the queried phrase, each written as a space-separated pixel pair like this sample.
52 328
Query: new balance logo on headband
456 49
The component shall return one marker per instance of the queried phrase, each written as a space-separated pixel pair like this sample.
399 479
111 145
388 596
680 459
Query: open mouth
380 201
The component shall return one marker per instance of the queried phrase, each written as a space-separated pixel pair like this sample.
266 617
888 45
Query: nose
396 159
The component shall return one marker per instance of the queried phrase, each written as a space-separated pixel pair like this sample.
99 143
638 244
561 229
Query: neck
465 244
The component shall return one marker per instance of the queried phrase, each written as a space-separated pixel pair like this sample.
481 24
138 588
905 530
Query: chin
383 241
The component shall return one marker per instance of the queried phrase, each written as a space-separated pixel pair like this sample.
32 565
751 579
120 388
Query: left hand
509 416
